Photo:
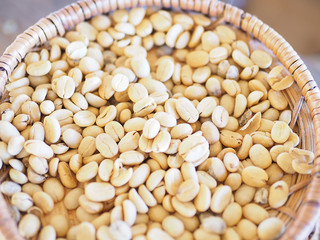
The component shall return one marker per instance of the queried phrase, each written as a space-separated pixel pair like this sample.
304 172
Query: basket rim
57 23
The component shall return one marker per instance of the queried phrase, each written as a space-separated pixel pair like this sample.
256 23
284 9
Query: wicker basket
302 210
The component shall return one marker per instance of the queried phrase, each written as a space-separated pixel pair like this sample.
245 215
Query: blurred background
297 21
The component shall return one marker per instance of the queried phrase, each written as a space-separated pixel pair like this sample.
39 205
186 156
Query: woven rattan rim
60 21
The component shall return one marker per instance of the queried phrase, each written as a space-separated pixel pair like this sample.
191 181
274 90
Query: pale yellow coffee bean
63 86
17 84
220 199
183 40
185 20
144 106
284 161
255 213
39 68
217 169
218 54
203 199
151 128
147 196
100 22
241 59
172 35
60 224
231 87
125 71
106 145
93 131
210 132
131 158
161 142
244 194
44 201
173 226
203 234
232 214
231 162
195 92
140 66
186 209
154 179
250 124
84 118
15 145
230 234
137 91
225 33
270 228
71 199
120 82
285 116
76 50
172 179
87 146
242 46
89 206
105 169
54 188
140 175
240 105
247 229
47 232
220 116
200 75
197 58
260 156
230 139
66 175
72 138
254 176
22 201
9 188
181 131
165 69
106 115
196 36
192 148
187 110
209 40
261 58
280 132
115 130
277 99
87 172
206 106
99 192
129 142
88 65
29 225
38 148
188 190
38 164
156 233
161 21
278 194
91 84
86 230
213 224
274 172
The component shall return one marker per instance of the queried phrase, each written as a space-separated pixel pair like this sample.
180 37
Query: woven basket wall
302 210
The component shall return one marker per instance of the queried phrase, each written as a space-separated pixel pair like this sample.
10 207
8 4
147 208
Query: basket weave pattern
59 22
